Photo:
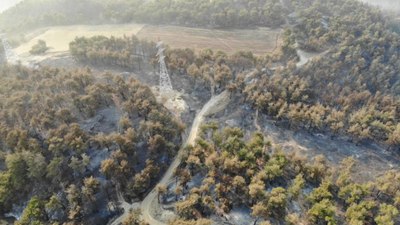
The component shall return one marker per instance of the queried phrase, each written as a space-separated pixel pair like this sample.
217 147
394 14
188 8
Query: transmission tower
165 81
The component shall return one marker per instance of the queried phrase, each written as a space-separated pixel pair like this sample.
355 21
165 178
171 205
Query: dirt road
214 105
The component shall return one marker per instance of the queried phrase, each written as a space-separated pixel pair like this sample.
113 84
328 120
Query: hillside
364 87
224 14
33 14
299 129
67 137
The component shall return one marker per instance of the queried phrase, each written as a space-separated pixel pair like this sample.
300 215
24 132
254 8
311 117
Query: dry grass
259 41
58 38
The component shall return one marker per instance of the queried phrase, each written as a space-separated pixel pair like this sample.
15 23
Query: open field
58 38
259 41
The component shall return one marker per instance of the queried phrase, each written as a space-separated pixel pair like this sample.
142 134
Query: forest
360 103
353 89
73 141
222 13
279 188
126 52
31 14
59 151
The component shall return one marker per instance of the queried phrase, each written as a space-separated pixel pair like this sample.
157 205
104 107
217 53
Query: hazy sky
386 4
5 4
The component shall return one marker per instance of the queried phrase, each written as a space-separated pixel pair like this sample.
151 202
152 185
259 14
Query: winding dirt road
214 105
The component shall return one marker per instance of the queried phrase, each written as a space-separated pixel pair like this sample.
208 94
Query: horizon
384 4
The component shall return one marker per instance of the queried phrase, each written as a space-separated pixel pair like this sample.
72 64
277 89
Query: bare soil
260 41
58 38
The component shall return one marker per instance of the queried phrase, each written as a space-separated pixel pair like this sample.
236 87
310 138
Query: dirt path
305 57
214 105
125 206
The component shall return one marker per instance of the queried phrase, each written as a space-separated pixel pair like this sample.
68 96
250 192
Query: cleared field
259 41
58 38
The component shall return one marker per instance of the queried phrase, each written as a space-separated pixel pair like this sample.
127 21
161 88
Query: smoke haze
392 5
5 4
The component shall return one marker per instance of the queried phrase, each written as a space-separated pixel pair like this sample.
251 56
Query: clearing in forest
259 40
58 38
